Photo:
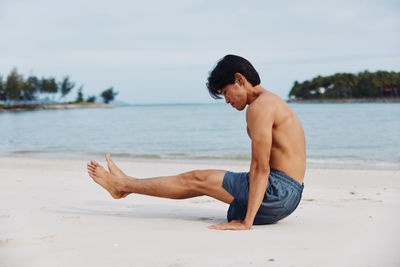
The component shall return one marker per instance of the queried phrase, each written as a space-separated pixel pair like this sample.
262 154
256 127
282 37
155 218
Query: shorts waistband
287 178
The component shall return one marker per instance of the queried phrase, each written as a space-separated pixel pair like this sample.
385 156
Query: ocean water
337 135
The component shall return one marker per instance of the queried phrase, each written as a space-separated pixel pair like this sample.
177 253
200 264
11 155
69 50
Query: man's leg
186 185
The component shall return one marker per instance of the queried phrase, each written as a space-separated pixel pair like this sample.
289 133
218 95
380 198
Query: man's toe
91 168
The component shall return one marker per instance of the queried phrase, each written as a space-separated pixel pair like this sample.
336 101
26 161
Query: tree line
15 89
380 84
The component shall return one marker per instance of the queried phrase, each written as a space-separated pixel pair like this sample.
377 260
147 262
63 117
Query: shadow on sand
148 211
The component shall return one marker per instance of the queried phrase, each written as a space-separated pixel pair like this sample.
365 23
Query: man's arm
260 127
259 122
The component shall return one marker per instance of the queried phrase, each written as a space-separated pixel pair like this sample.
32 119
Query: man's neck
253 93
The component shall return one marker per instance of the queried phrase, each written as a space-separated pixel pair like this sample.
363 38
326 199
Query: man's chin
240 108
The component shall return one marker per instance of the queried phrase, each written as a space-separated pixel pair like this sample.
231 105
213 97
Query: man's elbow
262 168
260 173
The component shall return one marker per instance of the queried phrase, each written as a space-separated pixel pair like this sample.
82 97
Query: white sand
53 214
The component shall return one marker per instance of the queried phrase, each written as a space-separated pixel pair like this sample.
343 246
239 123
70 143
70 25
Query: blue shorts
281 198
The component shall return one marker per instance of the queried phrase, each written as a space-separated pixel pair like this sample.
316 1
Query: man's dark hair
224 74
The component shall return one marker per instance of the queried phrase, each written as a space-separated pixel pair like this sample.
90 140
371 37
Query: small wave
127 155
352 163
317 162
223 157
174 156
24 152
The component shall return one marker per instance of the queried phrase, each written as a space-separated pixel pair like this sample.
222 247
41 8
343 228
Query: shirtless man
273 187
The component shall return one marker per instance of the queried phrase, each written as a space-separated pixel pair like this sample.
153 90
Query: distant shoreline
187 161
348 100
28 107
138 160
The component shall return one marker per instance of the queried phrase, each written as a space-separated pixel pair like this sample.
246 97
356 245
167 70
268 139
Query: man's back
288 149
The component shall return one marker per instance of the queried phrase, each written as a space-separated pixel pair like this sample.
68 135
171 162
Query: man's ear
239 79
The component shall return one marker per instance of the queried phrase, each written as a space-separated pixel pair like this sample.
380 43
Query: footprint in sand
202 200
362 199
70 218
16 243
133 206
370 199
117 214
47 238
4 243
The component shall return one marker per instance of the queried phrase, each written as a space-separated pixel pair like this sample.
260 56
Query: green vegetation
108 95
16 90
79 97
66 87
91 99
380 84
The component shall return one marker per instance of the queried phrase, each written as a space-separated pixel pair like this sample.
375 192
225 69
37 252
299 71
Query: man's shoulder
264 103
262 109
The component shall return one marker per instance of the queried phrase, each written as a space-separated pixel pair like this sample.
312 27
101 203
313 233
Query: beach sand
53 214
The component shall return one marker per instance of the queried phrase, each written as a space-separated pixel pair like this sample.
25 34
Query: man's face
235 95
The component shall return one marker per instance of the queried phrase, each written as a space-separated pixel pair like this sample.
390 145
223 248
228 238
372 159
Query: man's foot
113 181
113 168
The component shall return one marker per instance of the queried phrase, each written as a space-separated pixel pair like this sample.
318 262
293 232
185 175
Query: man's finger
214 226
222 226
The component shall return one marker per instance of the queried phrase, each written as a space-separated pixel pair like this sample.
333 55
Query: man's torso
288 149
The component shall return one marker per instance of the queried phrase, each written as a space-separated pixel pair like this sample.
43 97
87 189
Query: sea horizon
338 135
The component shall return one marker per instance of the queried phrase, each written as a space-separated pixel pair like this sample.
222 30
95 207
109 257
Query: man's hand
232 225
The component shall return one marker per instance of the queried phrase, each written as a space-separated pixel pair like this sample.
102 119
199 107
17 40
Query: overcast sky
162 51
